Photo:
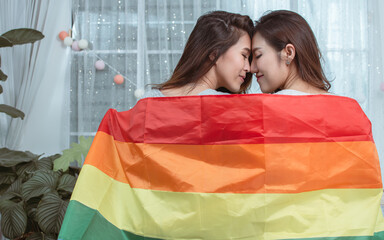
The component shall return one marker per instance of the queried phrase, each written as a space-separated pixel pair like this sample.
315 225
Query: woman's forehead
258 42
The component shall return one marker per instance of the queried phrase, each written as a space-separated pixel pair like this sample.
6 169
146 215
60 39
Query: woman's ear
289 53
213 55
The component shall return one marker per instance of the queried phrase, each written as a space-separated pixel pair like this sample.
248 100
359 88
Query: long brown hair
282 27
214 33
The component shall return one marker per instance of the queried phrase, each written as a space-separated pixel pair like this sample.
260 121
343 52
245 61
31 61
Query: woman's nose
254 68
247 66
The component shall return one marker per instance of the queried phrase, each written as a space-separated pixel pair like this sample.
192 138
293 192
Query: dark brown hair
214 33
282 27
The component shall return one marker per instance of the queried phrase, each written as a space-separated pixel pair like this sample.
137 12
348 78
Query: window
142 40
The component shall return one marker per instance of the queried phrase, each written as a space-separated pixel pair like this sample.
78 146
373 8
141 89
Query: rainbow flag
230 167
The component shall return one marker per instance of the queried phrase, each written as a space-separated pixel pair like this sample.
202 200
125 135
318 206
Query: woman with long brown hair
286 57
215 59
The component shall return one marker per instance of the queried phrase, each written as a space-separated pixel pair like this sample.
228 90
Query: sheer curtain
348 33
18 63
143 40
374 77
37 75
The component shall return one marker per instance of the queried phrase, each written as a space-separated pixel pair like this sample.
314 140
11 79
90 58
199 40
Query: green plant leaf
13 192
3 188
23 35
76 153
31 207
36 164
11 111
13 220
7 175
4 42
47 162
40 236
32 227
42 182
10 158
3 77
50 213
15 186
66 183
5 204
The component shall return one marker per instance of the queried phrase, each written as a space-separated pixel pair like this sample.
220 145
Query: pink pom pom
62 35
75 46
118 79
99 65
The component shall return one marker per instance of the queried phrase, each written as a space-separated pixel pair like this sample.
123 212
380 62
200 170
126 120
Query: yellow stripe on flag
323 213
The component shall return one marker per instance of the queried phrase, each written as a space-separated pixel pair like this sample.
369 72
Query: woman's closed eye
258 56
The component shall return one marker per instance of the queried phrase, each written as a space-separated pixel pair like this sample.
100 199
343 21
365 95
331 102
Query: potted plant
35 190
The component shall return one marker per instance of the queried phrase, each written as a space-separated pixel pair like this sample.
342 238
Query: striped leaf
40 236
13 220
31 207
10 158
50 213
66 183
36 164
13 192
7 176
42 182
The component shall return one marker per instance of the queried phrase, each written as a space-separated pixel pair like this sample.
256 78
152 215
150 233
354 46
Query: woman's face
267 64
232 66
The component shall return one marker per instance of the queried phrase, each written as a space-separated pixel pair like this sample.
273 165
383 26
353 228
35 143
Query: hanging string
111 67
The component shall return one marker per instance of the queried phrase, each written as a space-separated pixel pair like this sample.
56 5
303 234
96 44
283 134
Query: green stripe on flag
88 223
377 236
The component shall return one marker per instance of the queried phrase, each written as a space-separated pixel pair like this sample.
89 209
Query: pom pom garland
83 44
118 79
63 35
99 65
68 41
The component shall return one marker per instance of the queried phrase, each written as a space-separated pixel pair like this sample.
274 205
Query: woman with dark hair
215 59
286 57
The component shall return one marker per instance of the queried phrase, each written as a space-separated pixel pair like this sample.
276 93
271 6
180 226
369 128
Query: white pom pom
139 93
83 44
68 41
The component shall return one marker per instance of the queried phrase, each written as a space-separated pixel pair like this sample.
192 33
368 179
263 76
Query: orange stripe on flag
242 168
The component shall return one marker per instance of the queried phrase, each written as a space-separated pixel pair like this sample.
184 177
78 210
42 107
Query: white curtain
349 34
143 40
37 77
374 77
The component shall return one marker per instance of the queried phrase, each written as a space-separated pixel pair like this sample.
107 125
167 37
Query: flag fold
221 167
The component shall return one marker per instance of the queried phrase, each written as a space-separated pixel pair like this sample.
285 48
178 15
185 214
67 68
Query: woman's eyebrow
255 49
247 49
